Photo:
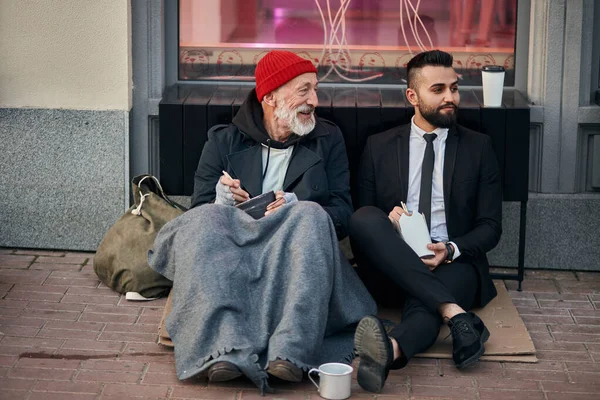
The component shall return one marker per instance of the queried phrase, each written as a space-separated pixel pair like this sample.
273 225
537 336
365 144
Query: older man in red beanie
273 296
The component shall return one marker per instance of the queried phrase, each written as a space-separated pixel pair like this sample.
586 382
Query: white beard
291 119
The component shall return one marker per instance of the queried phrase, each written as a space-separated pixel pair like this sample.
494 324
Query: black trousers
396 276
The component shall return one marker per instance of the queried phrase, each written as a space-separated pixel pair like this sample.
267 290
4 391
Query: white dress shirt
416 152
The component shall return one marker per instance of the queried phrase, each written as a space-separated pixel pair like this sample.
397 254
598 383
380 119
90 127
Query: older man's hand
281 199
229 191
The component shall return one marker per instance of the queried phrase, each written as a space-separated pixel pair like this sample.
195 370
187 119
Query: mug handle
311 379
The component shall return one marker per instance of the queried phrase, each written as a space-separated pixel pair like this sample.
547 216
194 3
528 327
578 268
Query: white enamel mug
335 380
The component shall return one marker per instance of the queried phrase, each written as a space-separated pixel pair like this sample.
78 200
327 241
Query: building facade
81 84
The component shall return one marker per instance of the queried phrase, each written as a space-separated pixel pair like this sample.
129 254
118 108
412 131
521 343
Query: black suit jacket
472 190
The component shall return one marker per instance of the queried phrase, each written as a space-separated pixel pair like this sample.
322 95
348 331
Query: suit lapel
403 159
247 167
449 160
302 159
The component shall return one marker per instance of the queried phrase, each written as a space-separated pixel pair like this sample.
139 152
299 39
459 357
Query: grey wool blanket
251 291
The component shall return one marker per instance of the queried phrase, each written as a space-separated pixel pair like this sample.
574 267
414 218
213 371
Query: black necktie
426 178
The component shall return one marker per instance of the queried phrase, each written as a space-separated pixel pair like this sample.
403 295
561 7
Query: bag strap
162 194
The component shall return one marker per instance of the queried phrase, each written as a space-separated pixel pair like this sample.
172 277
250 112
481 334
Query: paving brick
486 369
47 363
130 337
23 331
526 303
120 319
548 319
504 394
558 346
255 395
19 350
42 373
562 304
587 378
68 387
10 312
149 319
67 334
88 291
562 355
542 311
153 304
8 361
588 330
108 377
128 391
15 384
443 391
589 287
40 288
576 337
5 250
8 258
55 267
565 387
74 325
147 311
535 375
75 344
61 396
32 252
534 286
197 392
91 282
164 367
82 299
15 265
587 321
152 378
42 305
545 274
441 381
588 276
106 309
576 366
515 294
562 296
34 296
541 335
113 365
67 259
107 397
569 396
414 370
13 395
43 343
27 277
134 328
51 314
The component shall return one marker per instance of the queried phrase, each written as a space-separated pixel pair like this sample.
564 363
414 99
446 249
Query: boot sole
485 335
369 341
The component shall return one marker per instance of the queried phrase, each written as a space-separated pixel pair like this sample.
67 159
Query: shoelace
457 328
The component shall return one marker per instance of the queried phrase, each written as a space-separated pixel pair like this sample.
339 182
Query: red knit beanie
278 67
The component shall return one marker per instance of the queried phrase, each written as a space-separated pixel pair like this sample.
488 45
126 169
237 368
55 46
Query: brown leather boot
285 370
223 371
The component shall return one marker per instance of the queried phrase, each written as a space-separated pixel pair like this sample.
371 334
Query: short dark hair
435 58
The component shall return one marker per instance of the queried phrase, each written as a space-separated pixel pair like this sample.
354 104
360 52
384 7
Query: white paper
413 229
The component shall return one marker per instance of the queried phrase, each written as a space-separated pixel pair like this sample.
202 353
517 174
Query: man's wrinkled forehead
306 79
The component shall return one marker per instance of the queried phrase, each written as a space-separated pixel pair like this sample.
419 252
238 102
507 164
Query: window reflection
349 40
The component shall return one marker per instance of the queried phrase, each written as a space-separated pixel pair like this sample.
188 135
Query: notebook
413 229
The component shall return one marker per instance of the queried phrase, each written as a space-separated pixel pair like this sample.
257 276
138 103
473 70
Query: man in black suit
450 174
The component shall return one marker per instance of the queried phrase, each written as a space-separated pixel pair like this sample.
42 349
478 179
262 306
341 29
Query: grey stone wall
63 176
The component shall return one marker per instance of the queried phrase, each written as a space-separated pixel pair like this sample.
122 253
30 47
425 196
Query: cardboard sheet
509 340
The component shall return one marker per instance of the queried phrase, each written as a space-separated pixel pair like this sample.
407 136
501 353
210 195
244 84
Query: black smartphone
257 206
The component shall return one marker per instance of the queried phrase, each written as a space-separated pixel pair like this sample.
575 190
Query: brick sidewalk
63 335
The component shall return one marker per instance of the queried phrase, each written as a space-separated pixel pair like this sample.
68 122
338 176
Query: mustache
305 108
448 105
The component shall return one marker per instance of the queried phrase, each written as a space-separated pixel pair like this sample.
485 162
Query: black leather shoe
223 371
285 370
376 353
468 336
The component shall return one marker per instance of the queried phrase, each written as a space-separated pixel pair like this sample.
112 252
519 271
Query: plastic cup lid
492 68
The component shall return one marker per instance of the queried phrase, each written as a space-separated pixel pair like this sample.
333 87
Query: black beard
437 118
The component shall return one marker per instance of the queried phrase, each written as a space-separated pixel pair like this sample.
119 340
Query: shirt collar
414 129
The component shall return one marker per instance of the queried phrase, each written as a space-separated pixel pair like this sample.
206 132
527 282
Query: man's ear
269 99
412 96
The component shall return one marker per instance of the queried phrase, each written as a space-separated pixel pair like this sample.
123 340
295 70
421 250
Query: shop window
353 41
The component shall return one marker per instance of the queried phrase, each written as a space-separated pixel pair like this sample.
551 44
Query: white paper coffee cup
493 84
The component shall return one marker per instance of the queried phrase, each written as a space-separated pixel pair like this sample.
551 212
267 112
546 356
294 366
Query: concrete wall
65 97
